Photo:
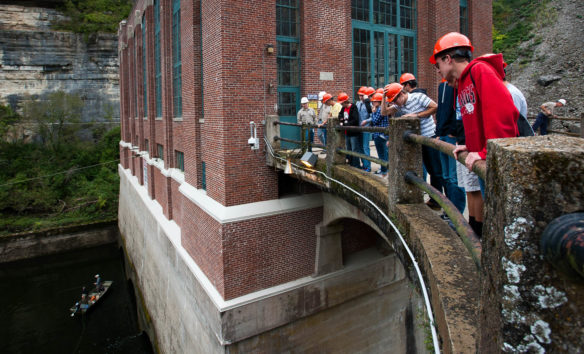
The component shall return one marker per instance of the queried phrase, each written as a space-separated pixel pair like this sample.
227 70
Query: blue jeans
431 160
381 146
453 191
541 120
353 143
309 138
366 137
322 135
483 188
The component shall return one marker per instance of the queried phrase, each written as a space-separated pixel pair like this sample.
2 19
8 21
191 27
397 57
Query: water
36 294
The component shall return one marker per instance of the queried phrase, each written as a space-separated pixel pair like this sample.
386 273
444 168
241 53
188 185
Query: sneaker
378 172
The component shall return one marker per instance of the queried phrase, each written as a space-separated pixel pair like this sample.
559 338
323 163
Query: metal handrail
463 229
365 129
363 156
480 167
298 142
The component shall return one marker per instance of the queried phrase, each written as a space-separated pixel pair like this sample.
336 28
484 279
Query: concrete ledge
43 243
452 277
308 296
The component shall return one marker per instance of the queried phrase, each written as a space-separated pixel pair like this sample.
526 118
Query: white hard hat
320 94
304 100
562 101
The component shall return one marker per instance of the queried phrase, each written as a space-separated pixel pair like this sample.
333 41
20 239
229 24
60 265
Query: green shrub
92 16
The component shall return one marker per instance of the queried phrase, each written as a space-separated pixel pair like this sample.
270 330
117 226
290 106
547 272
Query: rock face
36 60
555 66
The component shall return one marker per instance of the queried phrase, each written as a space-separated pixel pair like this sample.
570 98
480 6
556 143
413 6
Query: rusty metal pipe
480 167
463 229
362 156
562 244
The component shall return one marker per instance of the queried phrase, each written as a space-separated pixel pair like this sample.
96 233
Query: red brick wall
236 71
159 181
325 30
192 97
264 252
202 238
480 24
177 203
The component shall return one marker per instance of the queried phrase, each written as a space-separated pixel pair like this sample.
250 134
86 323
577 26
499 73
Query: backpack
523 126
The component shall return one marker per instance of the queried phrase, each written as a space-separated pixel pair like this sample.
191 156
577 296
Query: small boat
81 307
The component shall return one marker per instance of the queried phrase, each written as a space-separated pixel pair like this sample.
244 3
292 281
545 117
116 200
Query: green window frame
157 65
288 66
144 69
463 19
160 151
384 41
180 160
176 60
136 69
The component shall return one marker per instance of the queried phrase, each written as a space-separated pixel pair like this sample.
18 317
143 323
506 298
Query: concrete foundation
367 306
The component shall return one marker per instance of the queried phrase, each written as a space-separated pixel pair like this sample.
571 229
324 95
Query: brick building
194 74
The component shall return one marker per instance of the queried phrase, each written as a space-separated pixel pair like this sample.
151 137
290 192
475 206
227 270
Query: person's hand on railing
457 149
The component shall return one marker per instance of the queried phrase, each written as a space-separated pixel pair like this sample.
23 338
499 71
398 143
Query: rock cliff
36 60
551 66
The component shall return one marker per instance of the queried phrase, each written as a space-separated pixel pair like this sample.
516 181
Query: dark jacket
352 119
446 114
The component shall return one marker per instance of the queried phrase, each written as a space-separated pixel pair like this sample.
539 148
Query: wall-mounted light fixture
253 141
309 159
270 48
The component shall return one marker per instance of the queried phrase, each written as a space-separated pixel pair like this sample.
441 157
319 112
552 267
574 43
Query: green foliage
8 121
56 184
514 22
56 119
92 16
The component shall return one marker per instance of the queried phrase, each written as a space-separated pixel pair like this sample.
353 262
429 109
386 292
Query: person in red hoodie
486 105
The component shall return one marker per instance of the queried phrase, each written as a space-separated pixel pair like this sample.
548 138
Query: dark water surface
36 294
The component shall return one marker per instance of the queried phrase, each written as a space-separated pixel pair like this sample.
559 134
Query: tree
8 122
55 118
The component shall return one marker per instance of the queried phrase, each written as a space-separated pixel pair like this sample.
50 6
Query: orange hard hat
406 77
342 97
362 90
393 90
369 91
450 40
380 90
377 97
326 97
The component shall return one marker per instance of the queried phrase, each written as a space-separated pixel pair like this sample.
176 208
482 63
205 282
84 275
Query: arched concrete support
329 250
335 209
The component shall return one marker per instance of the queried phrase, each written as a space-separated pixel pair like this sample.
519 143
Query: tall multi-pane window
180 160
176 60
147 145
160 151
135 70
463 17
384 37
288 63
157 68
144 70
